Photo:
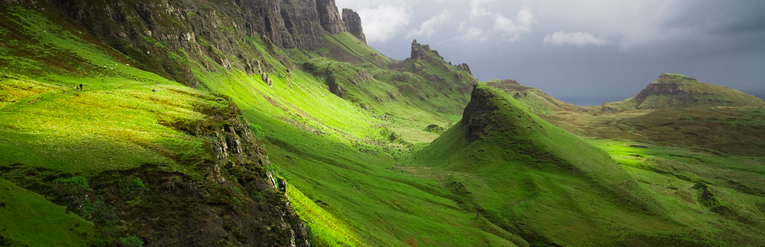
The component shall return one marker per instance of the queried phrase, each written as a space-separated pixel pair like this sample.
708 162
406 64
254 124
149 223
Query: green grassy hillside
540 182
130 129
354 141
125 157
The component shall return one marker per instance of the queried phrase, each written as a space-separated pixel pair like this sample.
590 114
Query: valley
205 123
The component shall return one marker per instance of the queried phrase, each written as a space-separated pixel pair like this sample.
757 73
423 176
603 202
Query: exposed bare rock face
334 87
329 17
353 24
464 67
149 30
475 118
420 51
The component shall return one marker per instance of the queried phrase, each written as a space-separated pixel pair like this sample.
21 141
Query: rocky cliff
353 24
162 36
329 17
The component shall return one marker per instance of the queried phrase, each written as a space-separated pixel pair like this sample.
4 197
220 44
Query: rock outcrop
476 116
421 52
464 67
353 24
238 161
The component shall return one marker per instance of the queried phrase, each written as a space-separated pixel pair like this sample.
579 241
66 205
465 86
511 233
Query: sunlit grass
98 130
325 228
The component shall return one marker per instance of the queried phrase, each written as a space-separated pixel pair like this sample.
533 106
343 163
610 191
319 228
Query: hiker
80 86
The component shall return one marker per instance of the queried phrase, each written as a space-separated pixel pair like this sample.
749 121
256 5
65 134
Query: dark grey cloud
580 50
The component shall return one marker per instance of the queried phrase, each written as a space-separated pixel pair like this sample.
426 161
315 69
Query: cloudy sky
583 52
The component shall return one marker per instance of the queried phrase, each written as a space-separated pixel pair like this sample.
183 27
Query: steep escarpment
674 91
353 24
176 38
329 17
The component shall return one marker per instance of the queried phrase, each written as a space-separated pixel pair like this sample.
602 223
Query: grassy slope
675 175
352 185
24 215
45 121
114 124
390 87
545 202
335 153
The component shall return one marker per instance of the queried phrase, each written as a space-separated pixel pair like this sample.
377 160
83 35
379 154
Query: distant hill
674 91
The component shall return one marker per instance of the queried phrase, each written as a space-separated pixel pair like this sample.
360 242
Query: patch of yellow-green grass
326 229
28 219
624 153
415 135
15 91
97 130
306 103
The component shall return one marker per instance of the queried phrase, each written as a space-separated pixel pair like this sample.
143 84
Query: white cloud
476 10
427 28
383 22
511 29
573 38
473 35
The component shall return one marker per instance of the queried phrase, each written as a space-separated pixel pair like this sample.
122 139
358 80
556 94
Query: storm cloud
586 51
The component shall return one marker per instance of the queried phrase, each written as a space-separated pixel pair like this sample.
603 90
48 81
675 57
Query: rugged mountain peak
353 24
329 17
420 51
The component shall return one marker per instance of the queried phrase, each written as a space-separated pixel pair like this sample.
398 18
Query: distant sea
588 101
761 96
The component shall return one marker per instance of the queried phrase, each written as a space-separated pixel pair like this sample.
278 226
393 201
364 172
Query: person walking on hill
80 86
